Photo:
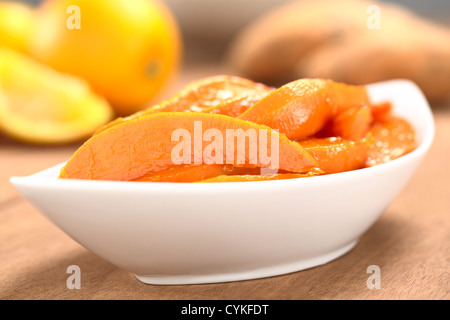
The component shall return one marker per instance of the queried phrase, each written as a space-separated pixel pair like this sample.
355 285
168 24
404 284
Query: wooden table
410 243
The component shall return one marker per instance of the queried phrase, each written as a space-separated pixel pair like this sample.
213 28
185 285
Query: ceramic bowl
184 233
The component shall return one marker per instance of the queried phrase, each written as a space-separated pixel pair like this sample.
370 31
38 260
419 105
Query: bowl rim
40 179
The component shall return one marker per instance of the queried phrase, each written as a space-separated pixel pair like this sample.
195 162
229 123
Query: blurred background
209 26
114 58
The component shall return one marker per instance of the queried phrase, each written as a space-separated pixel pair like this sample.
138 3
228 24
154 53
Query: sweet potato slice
183 174
301 108
391 139
240 103
381 112
335 154
155 142
203 172
211 92
223 94
248 178
352 124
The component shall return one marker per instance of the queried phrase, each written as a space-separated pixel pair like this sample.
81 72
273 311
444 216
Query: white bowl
183 233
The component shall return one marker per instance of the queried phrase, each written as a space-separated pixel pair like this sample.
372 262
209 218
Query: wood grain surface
410 243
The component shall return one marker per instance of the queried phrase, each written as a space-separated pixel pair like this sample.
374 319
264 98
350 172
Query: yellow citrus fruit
127 50
40 105
15 25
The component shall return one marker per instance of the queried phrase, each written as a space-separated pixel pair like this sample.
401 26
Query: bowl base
247 275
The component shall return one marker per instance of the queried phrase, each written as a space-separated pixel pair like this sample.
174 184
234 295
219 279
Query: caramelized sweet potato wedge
335 154
248 178
236 107
352 124
223 94
381 112
391 140
318 127
183 174
302 108
155 142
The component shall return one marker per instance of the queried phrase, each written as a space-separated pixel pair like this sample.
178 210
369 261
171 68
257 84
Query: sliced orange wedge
40 105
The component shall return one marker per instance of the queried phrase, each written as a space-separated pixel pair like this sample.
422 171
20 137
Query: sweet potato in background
338 40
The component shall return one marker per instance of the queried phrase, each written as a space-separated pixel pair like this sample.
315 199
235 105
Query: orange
127 50
40 105
15 25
